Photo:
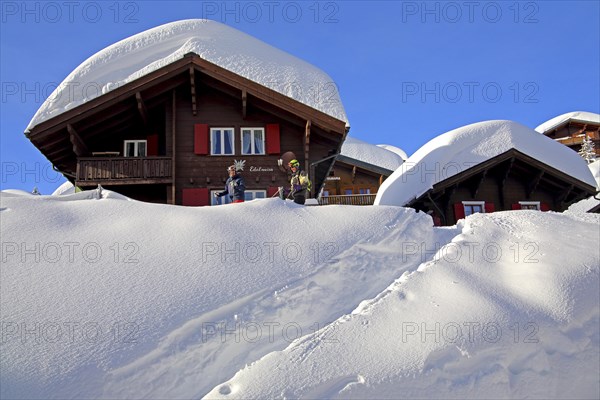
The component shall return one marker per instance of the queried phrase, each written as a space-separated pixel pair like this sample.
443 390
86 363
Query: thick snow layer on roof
371 154
395 149
576 115
460 149
141 54
65 188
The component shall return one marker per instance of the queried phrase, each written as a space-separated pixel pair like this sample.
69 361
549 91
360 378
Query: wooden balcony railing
123 170
349 199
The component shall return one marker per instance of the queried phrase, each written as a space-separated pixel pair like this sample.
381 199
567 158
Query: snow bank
371 154
65 188
583 116
467 324
460 149
118 299
141 54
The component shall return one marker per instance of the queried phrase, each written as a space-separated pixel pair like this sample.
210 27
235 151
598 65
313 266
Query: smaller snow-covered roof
582 116
371 154
590 203
233 50
460 149
395 149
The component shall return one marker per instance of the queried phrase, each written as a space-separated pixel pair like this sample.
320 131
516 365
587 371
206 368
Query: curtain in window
216 142
228 141
246 141
258 142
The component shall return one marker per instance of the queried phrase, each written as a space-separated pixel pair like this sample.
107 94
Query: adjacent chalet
485 167
359 171
160 115
572 128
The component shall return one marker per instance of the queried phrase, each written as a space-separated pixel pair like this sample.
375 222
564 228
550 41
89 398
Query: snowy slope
105 297
460 149
461 326
575 115
142 280
141 54
371 154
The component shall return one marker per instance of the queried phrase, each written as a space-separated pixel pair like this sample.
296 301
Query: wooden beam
353 173
142 107
307 144
244 103
475 189
534 184
79 147
503 183
560 199
193 89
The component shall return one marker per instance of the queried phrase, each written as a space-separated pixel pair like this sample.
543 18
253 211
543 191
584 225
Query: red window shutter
459 211
201 139
271 190
516 206
544 207
489 208
196 197
152 145
273 139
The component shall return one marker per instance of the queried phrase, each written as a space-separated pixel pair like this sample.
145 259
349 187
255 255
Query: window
253 141
135 148
472 207
364 191
255 194
325 193
530 205
348 192
221 141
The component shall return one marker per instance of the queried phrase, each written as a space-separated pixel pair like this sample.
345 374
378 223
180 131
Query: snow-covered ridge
145 52
575 115
371 154
460 149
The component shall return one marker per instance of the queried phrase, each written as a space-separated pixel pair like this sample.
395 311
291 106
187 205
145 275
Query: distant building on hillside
359 171
486 167
572 128
162 123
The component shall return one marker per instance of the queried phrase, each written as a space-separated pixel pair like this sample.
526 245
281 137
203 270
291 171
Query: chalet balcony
349 200
92 171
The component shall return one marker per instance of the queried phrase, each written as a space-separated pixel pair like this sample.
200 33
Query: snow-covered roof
371 154
395 149
238 52
460 149
583 116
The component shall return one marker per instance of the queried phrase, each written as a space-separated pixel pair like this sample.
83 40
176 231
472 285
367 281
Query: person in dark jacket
300 184
234 186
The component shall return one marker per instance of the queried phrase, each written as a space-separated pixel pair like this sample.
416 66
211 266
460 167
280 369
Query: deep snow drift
141 54
103 297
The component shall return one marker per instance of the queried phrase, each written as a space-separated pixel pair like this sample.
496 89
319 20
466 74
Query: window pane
129 149
259 142
246 141
228 141
260 195
348 191
216 141
248 195
141 149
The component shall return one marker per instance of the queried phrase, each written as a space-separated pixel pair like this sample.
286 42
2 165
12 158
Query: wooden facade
352 182
154 139
572 132
509 181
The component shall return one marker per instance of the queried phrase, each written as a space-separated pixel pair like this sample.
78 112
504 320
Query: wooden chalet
509 181
169 136
573 129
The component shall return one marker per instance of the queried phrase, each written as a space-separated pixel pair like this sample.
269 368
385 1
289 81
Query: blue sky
406 70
